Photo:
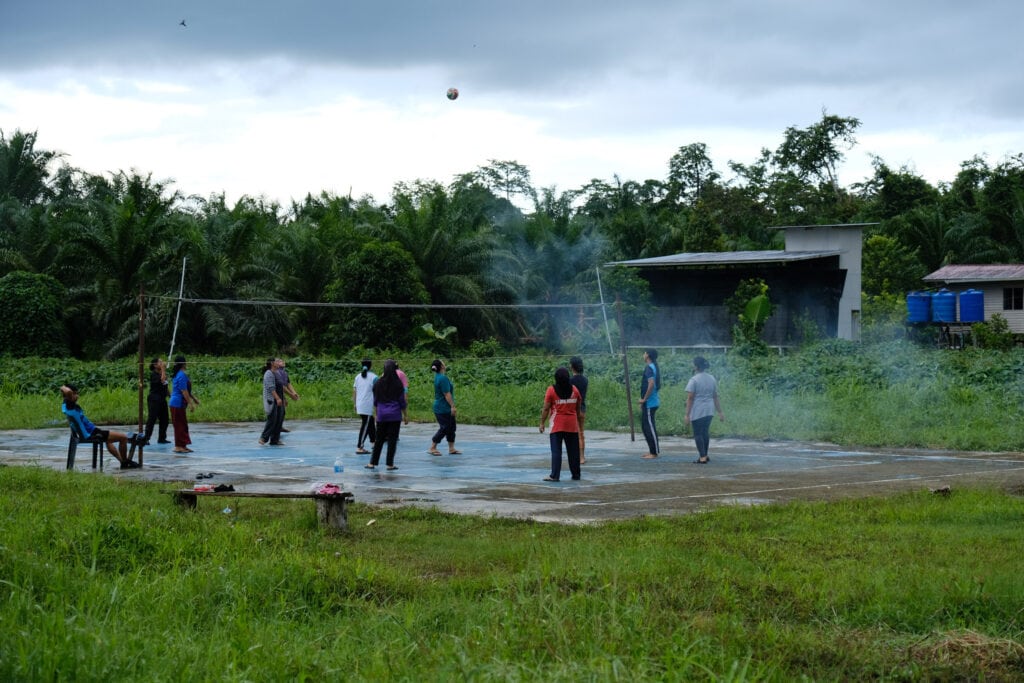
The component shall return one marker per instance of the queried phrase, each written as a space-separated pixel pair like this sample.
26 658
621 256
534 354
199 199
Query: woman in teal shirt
444 409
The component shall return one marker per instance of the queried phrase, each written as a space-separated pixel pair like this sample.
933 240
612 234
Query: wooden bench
331 508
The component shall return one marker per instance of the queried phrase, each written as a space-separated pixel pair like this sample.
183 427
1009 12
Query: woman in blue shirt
181 399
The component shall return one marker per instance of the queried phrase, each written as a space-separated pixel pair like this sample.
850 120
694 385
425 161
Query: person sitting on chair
117 442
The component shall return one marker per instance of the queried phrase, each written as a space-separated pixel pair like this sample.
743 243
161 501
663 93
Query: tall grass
105 580
891 393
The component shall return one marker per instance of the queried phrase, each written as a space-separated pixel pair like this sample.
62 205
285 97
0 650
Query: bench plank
331 508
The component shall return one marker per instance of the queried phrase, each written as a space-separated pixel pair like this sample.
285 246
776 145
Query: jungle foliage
471 254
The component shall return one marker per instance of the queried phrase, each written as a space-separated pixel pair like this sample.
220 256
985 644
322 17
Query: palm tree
230 258
940 241
105 244
24 196
459 259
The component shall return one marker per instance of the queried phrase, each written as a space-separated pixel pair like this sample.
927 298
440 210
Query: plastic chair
96 439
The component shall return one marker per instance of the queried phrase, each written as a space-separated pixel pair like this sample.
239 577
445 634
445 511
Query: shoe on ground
163 441
550 479
285 429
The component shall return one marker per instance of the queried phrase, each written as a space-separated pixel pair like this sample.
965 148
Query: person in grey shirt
701 405
273 404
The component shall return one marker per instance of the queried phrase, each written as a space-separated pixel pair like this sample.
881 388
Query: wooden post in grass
142 353
625 367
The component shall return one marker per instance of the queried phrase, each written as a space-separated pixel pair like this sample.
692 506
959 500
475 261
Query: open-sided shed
815 279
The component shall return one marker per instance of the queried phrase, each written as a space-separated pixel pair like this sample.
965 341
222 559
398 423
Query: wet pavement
500 470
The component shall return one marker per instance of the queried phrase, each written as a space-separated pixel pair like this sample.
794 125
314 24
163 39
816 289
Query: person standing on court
579 380
390 411
563 400
701 405
362 397
444 409
650 383
288 391
181 400
273 404
156 401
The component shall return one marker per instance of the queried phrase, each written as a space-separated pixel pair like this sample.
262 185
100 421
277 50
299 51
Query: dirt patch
991 659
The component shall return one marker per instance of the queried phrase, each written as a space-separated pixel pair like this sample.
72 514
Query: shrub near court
892 393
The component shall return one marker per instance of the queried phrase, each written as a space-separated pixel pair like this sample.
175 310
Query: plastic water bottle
339 466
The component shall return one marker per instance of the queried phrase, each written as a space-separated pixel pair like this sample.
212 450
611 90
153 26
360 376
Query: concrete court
501 469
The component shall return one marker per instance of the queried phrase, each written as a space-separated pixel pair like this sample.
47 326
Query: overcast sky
348 96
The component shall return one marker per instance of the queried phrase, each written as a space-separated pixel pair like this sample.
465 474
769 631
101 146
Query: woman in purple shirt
389 407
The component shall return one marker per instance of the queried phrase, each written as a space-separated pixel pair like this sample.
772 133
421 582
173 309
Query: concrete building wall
849 241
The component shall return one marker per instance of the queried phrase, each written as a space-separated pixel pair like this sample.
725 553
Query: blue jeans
572 450
272 427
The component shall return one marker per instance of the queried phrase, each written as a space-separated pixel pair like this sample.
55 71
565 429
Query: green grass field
106 580
102 579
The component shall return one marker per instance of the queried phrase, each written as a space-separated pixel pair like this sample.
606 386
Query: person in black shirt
579 380
157 400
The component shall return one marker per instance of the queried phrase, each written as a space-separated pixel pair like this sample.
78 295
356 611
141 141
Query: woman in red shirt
563 401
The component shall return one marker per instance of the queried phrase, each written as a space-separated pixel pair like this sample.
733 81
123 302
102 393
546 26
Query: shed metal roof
725 258
989 272
824 225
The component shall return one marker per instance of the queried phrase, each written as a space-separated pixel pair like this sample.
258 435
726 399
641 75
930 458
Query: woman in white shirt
362 396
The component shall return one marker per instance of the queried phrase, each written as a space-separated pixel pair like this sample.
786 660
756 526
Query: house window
1013 298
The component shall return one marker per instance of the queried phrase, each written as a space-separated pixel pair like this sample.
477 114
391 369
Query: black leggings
157 413
702 434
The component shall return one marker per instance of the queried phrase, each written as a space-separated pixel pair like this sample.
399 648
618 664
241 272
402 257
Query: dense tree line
77 248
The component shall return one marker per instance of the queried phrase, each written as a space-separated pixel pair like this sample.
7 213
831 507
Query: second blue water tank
944 306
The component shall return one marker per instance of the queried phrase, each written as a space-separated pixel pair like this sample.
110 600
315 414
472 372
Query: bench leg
331 512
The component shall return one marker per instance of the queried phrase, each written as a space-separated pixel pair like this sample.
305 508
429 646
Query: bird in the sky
184 24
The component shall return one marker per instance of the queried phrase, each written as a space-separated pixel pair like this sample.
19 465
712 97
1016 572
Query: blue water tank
943 306
972 306
919 307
